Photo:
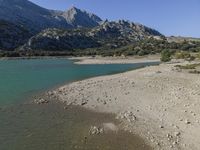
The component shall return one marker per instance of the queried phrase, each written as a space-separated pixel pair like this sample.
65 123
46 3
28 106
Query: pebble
177 133
187 121
83 103
158 72
193 114
176 127
161 126
152 140
169 137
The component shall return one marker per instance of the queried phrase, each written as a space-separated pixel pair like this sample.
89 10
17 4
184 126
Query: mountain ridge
37 18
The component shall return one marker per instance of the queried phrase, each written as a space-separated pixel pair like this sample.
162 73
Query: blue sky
170 17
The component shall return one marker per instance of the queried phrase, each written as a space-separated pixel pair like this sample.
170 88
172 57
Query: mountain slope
60 40
36 18
119 30
125 28
108 34
12 36
31 16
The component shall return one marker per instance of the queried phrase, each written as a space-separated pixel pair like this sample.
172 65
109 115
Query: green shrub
165 56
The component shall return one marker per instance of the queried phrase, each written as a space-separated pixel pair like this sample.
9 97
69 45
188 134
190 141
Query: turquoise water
21 78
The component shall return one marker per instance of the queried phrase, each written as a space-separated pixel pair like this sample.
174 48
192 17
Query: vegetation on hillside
12 36
109 39
165 56
141 48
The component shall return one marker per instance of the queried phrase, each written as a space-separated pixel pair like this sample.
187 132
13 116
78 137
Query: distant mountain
36 18
110 34
180 39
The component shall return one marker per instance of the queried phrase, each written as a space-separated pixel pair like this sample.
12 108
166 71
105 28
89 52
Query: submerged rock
128 115
41 101
96 130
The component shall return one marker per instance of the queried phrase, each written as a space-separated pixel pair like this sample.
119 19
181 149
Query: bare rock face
81 18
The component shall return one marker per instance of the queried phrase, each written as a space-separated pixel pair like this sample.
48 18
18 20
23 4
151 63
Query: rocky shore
159 103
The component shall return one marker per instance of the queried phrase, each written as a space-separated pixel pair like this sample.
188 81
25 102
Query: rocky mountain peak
73 8
81 18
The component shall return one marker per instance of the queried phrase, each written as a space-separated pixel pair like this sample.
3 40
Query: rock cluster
127 115
96 130
41 101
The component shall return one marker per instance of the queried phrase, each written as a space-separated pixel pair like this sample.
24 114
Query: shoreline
153 102
115 60
89 60
34 57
